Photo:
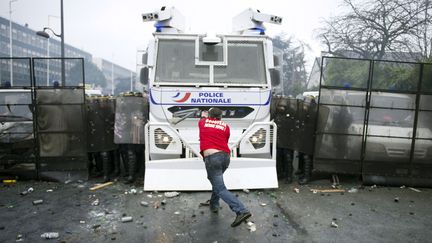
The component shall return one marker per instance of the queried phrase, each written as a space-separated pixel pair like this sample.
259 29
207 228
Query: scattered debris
29 190
49 190
127 219
95 202
327 190
414 189
402 187
251 226
157 204
171 194
50 235
149 195
273 195
9 182
296 190
101 186
163 202
353 190
334 225
263 204
96 226
82 222
37 202
133 191
68 181
19 237
335 180
144 203
246 190
396 199
176 212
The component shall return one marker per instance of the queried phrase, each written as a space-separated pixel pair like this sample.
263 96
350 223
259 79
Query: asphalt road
369 214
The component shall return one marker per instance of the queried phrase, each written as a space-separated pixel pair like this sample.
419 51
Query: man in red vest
214 136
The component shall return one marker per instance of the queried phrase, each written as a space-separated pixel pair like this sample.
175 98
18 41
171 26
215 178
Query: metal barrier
374 119
54 118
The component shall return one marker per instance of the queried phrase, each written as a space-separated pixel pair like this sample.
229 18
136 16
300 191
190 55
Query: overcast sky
114 30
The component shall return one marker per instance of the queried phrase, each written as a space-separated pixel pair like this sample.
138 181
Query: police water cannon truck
185 74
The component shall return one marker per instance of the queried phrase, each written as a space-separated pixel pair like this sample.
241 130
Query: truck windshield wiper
179 116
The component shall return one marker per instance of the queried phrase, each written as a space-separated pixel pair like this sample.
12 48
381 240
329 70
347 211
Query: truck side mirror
275 77
144 75
275 61
144 58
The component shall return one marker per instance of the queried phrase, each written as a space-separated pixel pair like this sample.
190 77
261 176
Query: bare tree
294 75
371 28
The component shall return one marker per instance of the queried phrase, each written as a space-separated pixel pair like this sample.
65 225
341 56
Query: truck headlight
258 139
162 139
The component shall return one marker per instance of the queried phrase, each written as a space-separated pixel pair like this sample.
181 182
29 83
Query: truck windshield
176 63
245 64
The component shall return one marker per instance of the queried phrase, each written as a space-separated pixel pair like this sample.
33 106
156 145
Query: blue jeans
216 164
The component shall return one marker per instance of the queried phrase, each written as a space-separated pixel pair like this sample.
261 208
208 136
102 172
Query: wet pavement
365 214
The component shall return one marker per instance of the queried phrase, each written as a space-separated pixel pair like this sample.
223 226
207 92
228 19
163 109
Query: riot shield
16 126
131 114
60 122
16 119
306 116
284 115
100 122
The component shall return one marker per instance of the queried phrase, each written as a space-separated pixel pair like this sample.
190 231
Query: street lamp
10 40
44 34
48 49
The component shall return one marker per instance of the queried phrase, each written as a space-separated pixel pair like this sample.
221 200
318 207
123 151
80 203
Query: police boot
106 164
90 164
280 163
305 178
124 159
132 165
289 167
300 170
98 164
116 158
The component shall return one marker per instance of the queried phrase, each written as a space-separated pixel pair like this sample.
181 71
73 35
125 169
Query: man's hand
204 114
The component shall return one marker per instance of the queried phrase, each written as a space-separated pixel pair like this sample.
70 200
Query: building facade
25 43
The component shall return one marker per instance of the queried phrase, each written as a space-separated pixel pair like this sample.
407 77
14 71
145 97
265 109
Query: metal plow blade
191 175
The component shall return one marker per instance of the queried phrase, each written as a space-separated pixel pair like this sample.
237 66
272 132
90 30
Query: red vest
214 134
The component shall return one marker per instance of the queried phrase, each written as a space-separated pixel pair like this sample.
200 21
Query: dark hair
215 112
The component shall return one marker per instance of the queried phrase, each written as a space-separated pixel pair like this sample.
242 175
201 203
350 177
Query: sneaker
240 218
206 203
214 209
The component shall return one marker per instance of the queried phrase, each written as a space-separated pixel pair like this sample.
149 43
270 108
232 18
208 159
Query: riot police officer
307 116
101 147
282 115
130 118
